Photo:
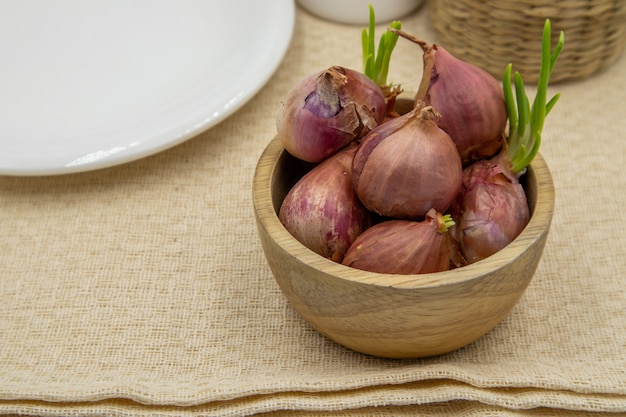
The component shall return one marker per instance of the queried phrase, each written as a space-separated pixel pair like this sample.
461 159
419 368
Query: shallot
404 246
328 110
469 99
322 211
492 208
407 166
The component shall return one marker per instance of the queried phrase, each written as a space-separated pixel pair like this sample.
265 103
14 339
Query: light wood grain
397 316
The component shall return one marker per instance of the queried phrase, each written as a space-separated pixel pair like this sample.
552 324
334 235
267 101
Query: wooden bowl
397 316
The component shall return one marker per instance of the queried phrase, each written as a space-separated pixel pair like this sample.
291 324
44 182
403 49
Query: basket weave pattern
494 33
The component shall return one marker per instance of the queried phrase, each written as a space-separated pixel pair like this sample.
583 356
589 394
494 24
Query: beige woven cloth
142 289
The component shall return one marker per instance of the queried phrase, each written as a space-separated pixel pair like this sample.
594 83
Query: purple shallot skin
406 166
491 210
471 103
403 247
328 110
322 210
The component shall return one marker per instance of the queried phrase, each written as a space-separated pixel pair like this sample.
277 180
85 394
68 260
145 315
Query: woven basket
494 33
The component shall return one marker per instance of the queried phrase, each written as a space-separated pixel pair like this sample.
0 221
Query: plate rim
242 93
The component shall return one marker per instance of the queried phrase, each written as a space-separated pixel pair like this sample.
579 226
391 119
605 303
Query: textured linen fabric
142 289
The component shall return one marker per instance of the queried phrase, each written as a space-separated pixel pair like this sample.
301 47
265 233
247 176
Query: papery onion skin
328 110
402 247
471 104
491 210
407 166
322 211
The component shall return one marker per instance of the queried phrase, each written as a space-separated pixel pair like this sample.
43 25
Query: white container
357 11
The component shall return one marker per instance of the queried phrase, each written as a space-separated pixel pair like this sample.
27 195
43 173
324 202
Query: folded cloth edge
410 394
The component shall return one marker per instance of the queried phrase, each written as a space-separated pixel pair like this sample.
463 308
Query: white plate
86 84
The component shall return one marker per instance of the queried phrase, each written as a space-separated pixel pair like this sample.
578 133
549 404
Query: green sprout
376 65
525 122
445 223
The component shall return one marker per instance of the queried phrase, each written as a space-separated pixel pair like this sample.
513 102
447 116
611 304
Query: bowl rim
268 219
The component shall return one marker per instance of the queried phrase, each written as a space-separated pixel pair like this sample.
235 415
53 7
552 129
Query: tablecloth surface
142 289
